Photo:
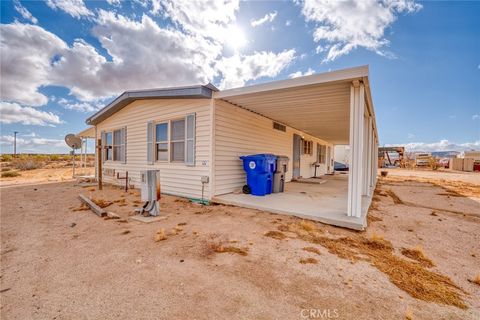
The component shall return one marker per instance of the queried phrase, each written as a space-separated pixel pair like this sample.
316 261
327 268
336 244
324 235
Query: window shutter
123 149
150 142
190 139
102 152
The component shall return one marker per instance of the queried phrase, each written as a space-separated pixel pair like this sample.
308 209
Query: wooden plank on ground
96 209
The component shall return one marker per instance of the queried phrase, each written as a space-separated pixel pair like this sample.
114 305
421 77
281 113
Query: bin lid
282 158
260 155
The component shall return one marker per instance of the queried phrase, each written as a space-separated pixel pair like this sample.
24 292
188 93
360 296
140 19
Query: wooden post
99 163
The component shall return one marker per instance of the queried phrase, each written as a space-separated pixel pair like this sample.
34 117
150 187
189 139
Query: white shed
197 131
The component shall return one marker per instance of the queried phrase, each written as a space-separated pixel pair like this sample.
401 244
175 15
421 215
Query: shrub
27 164
10 174
54 157
6 158
6 169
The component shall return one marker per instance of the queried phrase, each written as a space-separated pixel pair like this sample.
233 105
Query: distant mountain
445 154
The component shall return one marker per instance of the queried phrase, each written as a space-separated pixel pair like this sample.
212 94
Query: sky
62 60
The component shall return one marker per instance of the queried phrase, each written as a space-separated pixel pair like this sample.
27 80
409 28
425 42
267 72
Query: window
280 127
108 145
114 145
321 153
177 142
307 147
172 141
117 145
161 141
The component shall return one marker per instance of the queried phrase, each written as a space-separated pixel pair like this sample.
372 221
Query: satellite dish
73 141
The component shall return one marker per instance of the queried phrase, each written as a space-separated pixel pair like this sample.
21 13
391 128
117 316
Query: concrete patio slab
326 202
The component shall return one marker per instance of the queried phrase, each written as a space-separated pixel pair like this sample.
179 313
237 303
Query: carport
333 106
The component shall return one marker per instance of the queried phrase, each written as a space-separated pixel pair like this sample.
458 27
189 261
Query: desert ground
418 258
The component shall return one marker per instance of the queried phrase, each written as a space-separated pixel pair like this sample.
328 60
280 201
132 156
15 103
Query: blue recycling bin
259 169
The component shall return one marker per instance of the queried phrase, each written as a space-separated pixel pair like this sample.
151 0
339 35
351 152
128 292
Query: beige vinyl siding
175 178
241 132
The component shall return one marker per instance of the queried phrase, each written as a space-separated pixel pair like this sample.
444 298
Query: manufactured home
195 135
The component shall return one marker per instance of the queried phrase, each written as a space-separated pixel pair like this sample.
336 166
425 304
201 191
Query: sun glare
236 38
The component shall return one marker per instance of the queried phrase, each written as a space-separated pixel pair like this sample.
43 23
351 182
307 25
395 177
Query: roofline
188 92
332 76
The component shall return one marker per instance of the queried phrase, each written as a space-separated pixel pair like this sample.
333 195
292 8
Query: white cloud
24 12
208 19
288 23
476 116
14 113
269 17
410 136
346 25
75 8
144 55
79 106
26 52
238 69
33 145
297 74
442 145
114 2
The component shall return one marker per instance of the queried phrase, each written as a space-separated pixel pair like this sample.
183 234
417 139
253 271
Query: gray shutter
103 146
150 142
123 149
190 140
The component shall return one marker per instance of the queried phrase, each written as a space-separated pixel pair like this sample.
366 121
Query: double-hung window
177 141
172 140
108 146
115 145
161 141
321 153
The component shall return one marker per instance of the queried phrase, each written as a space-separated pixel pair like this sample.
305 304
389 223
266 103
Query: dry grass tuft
82 207
308 260
408 314
102 203
232 249
475 280
417 254
182 224
312 249
216 244
371 218
307 225
275 235
394 197
91 189
125 232
409 276
434 213
160 235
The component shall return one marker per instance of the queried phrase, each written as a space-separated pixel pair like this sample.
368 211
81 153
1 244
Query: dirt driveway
58 262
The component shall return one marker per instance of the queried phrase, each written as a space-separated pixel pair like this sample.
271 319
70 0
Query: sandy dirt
44 175
440 174
58 263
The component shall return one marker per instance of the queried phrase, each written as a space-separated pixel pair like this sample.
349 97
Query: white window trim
113 145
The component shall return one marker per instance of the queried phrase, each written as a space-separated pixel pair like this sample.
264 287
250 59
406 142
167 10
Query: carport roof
318 104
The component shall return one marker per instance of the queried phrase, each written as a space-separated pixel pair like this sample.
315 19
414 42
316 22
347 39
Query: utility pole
15 144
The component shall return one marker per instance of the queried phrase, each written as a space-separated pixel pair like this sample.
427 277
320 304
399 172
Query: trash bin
279 175
259 169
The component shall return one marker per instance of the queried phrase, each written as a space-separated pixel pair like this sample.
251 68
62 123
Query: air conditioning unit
150 191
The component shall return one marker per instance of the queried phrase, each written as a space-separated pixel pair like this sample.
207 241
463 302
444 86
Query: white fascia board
326 77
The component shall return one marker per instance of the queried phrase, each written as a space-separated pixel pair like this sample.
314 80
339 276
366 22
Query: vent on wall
279 127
